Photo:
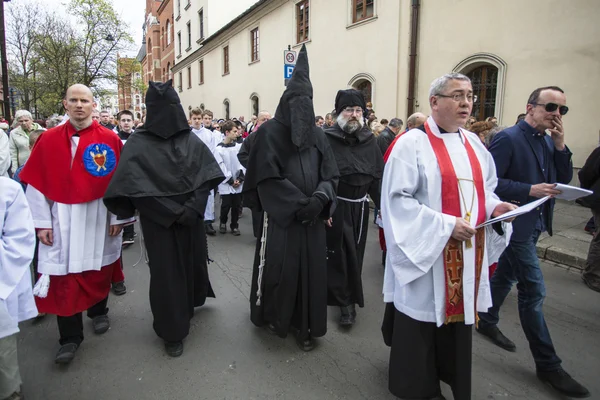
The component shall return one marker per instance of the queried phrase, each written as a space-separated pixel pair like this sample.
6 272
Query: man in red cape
80 241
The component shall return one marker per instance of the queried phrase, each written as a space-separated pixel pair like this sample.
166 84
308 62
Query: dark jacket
385 139
589 178
519 166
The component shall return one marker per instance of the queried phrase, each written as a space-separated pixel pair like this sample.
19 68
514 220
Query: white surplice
210 140
17 245
80 232
230 166
416 230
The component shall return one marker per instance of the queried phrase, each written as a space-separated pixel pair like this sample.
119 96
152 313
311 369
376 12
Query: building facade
392 50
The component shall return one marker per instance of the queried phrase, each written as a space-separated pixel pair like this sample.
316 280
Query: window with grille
255 44
225 60
362 9
302 22
201 72
485 84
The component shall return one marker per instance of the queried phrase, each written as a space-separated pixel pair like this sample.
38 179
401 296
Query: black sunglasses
551 107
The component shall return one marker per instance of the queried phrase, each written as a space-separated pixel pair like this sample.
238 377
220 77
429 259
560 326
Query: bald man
415 120
80 241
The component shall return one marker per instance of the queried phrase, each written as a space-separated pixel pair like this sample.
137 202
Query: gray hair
23 113
439 85
54 121
490 136
396 123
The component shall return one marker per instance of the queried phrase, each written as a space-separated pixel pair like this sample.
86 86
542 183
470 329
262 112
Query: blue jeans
519 264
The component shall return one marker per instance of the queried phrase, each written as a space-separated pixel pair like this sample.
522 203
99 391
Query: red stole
50 170
453 252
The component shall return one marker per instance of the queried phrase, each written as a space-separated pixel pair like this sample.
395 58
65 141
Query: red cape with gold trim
49 168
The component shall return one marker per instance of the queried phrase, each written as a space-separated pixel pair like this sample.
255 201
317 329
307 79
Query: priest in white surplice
437 186
17 244
80 241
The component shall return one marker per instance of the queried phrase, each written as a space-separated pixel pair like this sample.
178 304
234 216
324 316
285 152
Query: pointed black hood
164 114
295 109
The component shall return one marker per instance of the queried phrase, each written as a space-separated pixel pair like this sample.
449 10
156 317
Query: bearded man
361 167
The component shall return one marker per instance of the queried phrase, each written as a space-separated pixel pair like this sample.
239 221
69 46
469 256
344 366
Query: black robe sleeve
375 192
162 210
244 152
280 199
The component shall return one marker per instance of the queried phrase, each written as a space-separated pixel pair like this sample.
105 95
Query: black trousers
128 231
422 355
71 328
231 202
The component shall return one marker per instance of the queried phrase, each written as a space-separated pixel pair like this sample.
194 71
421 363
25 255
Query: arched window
488 74
485 84
364 83
162 37
255 104
226 108
168 29
169 72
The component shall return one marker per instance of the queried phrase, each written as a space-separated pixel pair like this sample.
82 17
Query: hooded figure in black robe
292 177
166 173
360 163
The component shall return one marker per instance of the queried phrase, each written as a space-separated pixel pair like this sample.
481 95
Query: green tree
104 35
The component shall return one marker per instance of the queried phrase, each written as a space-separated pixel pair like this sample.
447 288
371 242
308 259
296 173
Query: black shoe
119 289
306 343
593 284
272 330
128 240
562 382
235 232
498 338
210 230
101 324
348 315
222 228
66 353
174 349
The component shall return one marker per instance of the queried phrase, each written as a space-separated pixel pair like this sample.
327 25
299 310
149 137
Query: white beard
350 127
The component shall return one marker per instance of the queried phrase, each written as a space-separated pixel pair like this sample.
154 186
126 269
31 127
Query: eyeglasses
470 98
350 110
551 107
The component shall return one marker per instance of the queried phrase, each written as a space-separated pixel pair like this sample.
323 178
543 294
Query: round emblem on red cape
99 159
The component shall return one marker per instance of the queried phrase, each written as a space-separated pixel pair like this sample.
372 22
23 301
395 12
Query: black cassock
294 279
361 167
168 181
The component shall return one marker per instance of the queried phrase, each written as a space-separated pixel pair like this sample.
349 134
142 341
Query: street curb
562 256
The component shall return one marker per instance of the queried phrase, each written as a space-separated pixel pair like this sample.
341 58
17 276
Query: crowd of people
308 181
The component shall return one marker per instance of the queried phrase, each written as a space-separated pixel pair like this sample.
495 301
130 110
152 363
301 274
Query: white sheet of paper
571 192
515 213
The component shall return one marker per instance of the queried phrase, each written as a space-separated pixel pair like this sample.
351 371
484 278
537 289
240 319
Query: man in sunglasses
531 157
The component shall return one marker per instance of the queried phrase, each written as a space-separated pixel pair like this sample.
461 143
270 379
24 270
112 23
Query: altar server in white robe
438 185
211 141
17 244
80 241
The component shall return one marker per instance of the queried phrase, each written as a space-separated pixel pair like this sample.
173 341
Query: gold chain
469 244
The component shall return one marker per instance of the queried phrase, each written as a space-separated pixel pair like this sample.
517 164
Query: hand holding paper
516 212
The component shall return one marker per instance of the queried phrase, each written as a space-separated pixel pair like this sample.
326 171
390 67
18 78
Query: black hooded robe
166 173
294 285
361 167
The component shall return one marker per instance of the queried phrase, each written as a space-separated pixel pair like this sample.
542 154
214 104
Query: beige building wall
216 14
540 42
534 43
340 53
